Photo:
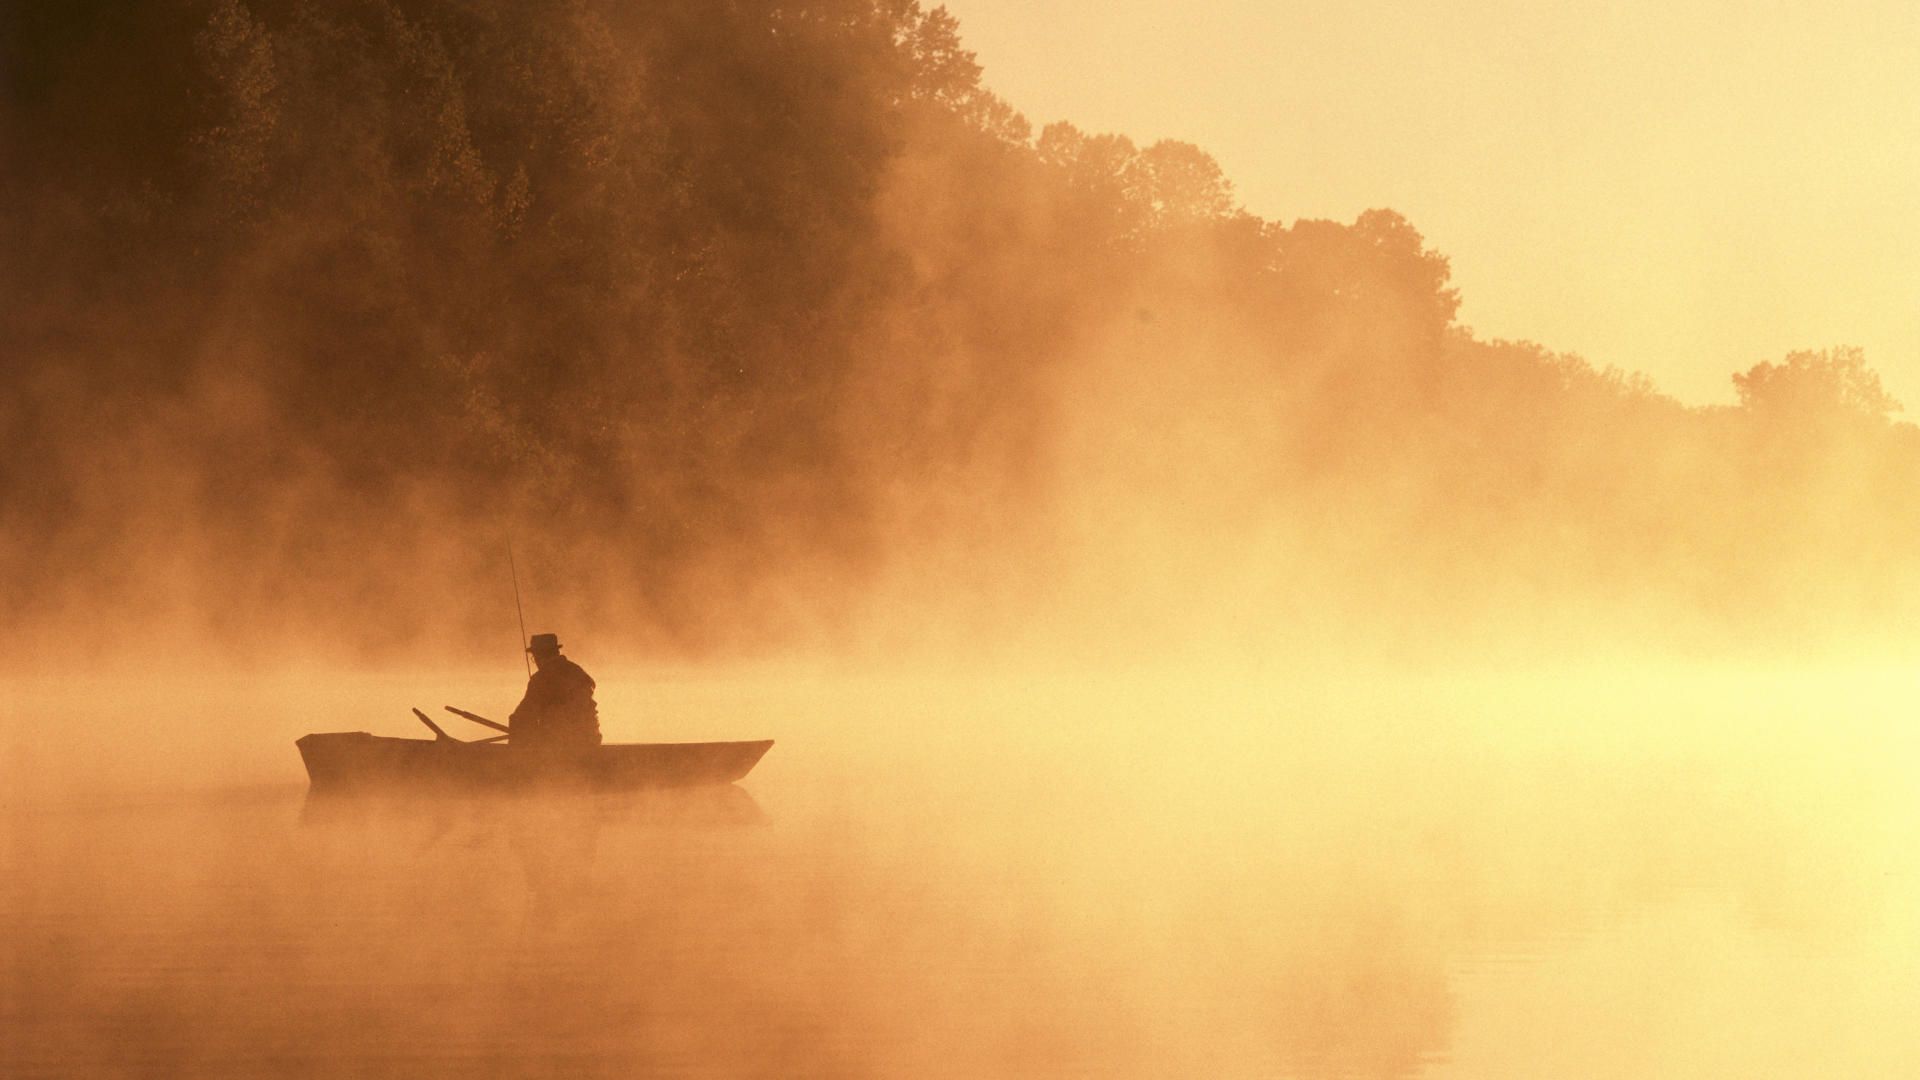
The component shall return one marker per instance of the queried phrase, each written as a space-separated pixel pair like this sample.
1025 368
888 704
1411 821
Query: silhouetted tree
1808 386
1182 185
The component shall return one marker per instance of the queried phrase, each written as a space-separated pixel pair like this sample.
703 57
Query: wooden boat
356 759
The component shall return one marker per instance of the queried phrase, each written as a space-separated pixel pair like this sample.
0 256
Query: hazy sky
1680 188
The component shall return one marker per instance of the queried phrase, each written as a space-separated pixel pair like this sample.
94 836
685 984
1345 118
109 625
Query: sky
1680 188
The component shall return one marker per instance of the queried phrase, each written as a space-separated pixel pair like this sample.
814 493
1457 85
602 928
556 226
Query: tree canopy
742 314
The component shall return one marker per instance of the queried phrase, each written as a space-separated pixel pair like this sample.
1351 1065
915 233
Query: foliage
1807 386
711 302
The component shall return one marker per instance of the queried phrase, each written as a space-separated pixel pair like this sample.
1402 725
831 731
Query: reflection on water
437 814
1381 893
553 840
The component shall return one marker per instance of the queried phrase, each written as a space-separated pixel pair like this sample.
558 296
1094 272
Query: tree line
745 314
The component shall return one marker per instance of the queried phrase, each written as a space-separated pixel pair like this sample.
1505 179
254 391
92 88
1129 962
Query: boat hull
357 760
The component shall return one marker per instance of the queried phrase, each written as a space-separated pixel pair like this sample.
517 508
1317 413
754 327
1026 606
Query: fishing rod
517 610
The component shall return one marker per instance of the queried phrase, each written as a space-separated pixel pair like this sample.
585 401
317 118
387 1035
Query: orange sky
1679 188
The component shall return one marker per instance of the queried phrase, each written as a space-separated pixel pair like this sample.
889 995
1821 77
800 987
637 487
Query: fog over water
1568 874
1189 650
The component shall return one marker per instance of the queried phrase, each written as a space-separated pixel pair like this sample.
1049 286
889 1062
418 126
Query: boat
355 759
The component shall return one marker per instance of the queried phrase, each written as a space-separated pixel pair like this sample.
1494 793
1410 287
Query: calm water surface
1114 877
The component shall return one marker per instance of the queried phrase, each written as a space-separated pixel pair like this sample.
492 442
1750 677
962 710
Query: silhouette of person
558 713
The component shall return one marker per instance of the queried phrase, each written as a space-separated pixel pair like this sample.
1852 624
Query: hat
544 643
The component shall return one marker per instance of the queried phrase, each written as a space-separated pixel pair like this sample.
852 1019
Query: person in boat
558 712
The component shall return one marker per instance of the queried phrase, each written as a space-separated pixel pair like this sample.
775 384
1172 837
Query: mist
772 330
1190 649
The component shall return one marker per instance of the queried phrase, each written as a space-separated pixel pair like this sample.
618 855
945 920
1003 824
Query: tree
1183 184
1100 179
1811 386
1376 275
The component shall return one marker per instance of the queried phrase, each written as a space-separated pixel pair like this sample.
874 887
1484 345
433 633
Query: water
1567 876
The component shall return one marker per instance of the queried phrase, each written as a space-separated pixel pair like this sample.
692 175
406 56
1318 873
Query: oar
433 727
441 735
476 718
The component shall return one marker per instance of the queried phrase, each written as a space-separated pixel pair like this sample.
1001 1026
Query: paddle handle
433 727
476 718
